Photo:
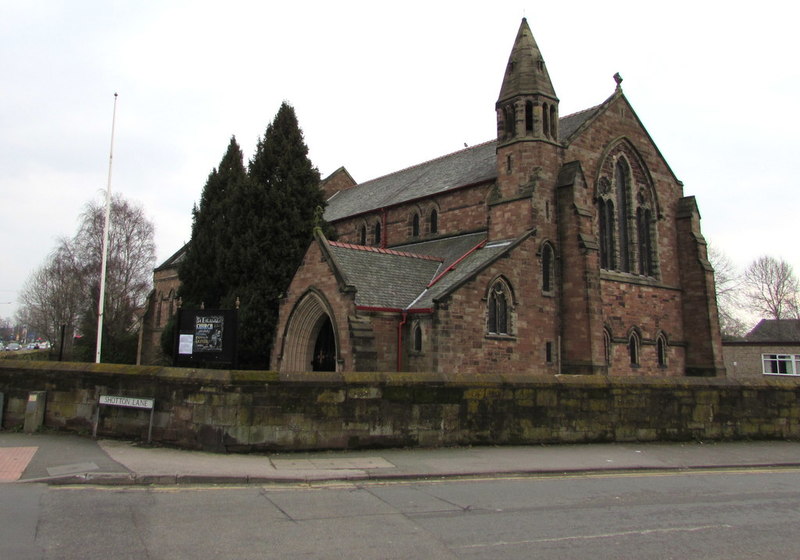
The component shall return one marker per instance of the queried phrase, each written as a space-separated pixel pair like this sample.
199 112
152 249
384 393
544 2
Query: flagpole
101 303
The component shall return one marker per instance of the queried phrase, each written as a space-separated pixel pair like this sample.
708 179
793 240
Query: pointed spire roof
526 73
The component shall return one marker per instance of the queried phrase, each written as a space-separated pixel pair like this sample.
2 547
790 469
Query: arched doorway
325 348
310 340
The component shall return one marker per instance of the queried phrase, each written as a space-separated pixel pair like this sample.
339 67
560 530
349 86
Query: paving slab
59 458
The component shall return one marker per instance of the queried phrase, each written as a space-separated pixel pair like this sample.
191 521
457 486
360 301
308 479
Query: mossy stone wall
223 410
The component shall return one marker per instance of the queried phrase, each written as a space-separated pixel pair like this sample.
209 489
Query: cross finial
618 79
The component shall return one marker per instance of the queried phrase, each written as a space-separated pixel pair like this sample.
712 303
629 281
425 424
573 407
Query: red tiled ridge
383 251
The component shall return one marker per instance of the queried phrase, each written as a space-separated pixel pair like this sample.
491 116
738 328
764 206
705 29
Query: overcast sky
377 87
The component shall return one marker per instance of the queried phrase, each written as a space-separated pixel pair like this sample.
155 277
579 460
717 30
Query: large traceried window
498 309
626 212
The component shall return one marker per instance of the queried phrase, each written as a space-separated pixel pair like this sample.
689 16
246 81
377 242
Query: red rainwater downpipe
400 326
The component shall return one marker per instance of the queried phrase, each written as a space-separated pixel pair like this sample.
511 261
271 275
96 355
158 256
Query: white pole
101 304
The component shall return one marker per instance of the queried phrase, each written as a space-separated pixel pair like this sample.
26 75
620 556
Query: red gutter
461 258
393 309
400 326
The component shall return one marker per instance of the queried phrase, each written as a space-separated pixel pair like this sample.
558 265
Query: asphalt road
715 514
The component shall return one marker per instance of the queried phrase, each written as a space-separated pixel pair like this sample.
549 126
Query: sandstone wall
258 411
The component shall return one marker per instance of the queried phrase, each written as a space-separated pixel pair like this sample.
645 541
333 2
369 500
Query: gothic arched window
661 350
376 240
623 190
434 221
606 234
362 234
417 338
607 346
498 321
633 348
643 220
528 117
545 120
509 117
415 225
626 208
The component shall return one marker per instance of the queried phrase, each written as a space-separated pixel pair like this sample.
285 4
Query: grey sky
377 87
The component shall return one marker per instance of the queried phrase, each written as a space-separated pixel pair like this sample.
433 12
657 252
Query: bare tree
131 256
772 289
728 285
65 289
53 295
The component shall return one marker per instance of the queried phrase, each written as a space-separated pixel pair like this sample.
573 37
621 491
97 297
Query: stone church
565 245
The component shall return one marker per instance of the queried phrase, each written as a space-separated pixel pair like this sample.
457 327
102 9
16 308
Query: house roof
465 167
473 165
383 278
775 330
413 277
175 259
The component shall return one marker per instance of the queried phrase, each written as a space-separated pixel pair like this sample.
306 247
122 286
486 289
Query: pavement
60 458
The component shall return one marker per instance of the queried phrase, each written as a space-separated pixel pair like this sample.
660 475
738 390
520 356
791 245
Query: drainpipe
400 326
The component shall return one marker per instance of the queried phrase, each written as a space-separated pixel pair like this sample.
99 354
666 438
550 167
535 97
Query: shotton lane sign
126 401
130 402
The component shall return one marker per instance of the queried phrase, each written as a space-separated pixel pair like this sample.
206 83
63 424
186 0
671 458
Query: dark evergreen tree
250 232
203 272
275 215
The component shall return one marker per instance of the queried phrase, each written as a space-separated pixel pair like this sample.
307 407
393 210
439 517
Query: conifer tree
204 276
251 230
275 218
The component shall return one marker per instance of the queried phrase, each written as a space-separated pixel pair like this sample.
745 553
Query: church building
565 245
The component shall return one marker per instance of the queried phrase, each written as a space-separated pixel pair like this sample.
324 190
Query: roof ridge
426 162
581 111
383 251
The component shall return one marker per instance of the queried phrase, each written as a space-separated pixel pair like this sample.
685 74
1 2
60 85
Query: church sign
205 337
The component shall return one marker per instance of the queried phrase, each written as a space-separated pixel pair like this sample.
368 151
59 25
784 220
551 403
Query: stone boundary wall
237 411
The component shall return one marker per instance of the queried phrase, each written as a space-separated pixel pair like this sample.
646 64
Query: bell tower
527 108
528 148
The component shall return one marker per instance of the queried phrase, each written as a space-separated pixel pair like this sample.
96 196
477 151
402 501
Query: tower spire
527 107
526 73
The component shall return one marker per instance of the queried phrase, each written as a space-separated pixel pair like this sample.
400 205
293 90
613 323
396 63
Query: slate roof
470 166
175 259
775 330
383 278
395 279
